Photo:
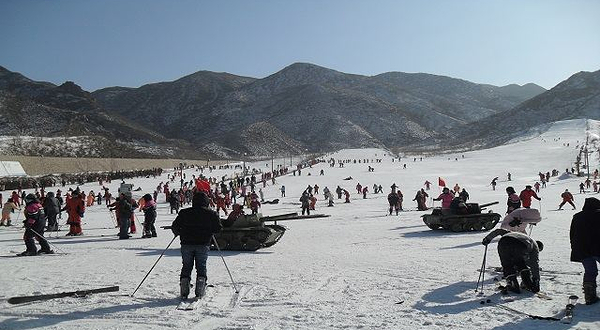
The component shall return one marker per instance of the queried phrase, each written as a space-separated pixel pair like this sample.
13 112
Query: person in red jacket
75 208
526 195
567 198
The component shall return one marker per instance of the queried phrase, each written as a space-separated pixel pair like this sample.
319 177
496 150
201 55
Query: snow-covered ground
356 269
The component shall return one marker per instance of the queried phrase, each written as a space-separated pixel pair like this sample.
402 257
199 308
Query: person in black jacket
51 209
585 245
519 255
195 227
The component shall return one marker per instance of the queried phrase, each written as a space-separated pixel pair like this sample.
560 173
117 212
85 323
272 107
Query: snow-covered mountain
315 108
576 97
38 118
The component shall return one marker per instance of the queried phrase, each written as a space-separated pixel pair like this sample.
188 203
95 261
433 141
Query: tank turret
249 232
470 218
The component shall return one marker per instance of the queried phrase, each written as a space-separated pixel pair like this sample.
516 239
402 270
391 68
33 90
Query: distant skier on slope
393 199
567 198
526 195
513 202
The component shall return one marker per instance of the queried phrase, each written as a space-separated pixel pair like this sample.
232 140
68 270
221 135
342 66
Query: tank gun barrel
488 204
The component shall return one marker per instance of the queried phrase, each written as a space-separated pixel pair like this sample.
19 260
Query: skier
75 208
174 201
393 199
234 215
282 191
427 184
456 189
35 221
567 198
254 203
313 202
339 191
526 195
195 227
124 207
304 199
347 195
493 183
8 208
421 199
365 190
359 188
464 195
581 188
513 202
149 209
519 255
585 245
51 210
446 198
536 185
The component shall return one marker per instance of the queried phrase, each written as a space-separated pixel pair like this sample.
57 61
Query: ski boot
512 285
589 290
200 287
27 253
184 286
48 251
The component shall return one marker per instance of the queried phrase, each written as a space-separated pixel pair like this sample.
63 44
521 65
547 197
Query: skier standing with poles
35 221
195 227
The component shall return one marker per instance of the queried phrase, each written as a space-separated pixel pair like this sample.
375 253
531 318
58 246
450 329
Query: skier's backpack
125 207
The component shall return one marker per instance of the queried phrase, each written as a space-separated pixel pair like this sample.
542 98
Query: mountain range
302 107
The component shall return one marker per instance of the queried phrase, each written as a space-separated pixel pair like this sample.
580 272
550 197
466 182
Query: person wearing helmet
35 221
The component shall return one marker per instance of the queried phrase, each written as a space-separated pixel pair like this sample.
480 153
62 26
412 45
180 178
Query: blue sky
130 43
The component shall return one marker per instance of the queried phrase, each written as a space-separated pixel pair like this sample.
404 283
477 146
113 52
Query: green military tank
472 220
250 233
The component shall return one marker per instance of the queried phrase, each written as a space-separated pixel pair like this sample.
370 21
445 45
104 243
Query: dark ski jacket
585 231
196 225
51 204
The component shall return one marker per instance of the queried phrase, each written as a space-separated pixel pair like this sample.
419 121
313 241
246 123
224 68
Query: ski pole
47 241
157 260
221 254
482 271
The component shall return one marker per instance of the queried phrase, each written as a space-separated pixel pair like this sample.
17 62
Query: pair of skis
566 319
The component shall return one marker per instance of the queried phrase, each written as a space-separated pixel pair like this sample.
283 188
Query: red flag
441 182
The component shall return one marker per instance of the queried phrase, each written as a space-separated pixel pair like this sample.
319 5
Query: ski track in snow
348 271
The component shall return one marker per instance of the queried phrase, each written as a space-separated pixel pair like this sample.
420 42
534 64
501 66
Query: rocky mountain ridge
302 107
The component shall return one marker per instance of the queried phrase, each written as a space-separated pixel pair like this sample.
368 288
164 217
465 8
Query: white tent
11 169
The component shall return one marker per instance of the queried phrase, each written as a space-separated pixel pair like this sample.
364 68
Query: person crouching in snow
519 255
35 221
